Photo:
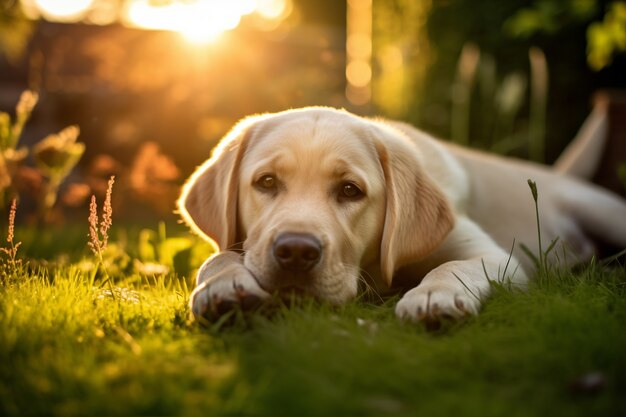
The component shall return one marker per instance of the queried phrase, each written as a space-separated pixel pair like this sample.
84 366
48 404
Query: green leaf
551 247
530 254
147 245
169 248
200 252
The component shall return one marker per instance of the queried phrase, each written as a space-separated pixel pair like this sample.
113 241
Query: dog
320 202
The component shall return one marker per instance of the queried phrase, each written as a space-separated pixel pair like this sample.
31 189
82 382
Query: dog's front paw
231 288
431 303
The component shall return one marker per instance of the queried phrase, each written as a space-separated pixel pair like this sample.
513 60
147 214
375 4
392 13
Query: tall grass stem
538 104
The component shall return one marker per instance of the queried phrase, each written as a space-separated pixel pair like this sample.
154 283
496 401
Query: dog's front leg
460 279
223 283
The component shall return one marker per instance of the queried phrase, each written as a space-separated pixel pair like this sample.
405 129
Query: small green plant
541 259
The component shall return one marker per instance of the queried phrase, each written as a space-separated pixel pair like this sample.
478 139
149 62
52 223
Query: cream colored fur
435 218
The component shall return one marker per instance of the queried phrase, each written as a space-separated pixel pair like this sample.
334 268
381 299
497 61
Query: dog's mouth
289 286
293 290
286 289
290 290
295 295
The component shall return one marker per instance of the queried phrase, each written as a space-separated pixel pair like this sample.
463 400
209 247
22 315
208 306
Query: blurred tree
605 22
608 37
15 30
441 29
551 16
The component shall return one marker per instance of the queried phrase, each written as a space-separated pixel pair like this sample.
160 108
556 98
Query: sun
63 10
199 21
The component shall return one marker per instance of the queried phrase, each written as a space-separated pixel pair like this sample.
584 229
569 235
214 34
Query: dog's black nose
297 252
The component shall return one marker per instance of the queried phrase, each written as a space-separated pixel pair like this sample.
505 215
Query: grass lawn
68 347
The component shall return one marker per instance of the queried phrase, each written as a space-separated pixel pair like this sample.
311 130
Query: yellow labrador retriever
315 200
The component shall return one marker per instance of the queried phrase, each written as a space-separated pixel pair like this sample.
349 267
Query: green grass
68 348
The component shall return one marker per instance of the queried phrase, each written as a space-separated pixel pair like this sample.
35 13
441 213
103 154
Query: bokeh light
63 10
199 21
271 9
359 52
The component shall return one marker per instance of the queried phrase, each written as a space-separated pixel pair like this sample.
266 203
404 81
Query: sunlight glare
63 10
271 9
199 21
205 21
247 6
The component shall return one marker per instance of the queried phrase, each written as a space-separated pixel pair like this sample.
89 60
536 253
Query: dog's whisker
369 289
366 278
237 247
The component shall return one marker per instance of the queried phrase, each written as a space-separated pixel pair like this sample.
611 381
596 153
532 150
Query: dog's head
315 196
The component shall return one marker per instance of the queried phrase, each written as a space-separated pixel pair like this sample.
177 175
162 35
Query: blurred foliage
478 92
15 30
55 157
550 16
152 253
608 37
10 132
606 34
427 83
156 251
57 154
401 53
428 86
12 157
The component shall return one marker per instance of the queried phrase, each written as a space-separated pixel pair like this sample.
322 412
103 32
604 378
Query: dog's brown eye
267 182
350 191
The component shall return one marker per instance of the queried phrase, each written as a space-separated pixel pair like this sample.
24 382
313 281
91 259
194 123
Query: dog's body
320 199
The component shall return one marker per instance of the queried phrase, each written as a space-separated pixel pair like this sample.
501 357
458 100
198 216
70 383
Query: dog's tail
582 157
600 213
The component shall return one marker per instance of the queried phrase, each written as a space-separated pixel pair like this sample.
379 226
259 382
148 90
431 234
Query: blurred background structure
154 84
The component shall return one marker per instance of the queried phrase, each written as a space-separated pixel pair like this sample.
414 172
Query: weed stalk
533 189
14 263
99 234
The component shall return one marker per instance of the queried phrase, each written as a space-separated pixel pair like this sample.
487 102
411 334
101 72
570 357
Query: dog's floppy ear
208 202
418 215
